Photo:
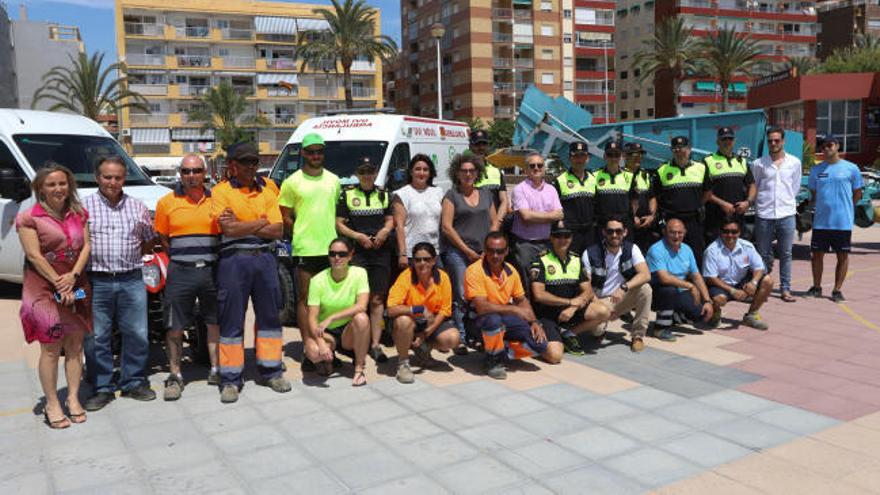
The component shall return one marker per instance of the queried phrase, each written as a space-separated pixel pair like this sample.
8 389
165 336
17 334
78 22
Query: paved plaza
734 410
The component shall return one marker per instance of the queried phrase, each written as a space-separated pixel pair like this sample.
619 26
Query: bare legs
72 343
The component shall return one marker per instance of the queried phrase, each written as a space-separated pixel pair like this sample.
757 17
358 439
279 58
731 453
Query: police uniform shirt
365 211
562 278
680 190
612 192
728 178
642 190
577 197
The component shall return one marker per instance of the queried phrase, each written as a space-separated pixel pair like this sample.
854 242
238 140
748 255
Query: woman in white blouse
416 208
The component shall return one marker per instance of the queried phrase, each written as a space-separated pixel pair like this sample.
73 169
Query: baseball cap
726 132
829 138
577 147
632 148
612 147
243 152
365 165
479 136
312 139
560 228
679 141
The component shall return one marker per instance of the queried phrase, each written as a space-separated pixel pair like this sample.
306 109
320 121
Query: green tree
501 133
808 156
88 89
351 36
725 54
475 123
851 60
222 110
671 51
803 65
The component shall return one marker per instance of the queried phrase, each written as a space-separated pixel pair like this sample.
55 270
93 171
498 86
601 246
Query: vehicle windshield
340 157
78 153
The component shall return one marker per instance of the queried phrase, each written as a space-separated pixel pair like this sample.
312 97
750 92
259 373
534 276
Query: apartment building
175 50
593 41
784 28
8 86
490 51
840 21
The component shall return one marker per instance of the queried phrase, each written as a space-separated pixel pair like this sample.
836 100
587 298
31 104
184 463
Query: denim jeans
456 263
125 298
782 231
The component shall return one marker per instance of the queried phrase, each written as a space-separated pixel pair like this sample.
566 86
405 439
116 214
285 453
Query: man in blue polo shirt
676 281
735 271
836 185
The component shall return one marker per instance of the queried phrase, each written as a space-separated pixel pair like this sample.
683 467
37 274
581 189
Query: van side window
396 177
8 162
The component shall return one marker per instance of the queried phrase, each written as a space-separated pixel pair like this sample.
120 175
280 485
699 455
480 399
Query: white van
28 139
388 140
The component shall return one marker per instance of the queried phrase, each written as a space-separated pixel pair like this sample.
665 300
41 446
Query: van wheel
287 315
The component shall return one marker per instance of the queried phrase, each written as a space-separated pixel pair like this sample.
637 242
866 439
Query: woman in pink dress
56 297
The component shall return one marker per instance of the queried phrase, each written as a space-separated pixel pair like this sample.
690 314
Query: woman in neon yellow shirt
338 312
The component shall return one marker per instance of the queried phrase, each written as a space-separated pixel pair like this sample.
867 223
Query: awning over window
312 24
150 136
184 134
275 25
272 79
159 163
146 71
734 87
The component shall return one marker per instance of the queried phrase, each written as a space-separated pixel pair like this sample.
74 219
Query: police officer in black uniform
577 193
680 185
642 199
363 213
732 187
613 186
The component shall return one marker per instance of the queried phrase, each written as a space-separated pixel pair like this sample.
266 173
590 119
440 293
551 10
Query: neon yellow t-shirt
332 296
313 201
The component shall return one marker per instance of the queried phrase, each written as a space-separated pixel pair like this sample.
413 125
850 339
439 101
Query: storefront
847 105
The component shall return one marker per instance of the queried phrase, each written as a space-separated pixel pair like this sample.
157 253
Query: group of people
588 248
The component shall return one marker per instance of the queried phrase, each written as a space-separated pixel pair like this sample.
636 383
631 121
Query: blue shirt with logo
679 264
731 266
833 186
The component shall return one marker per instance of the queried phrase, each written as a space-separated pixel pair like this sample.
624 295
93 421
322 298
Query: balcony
363 92
233 62
594 44
193 32
590 88
189 90
281 63
237 34
503 87
502 37
149 89
143 29
145 59
523 63
282 118
522 15
244 90
700 4
504 112
502 63
282 92
499 13
149 118
203 147
363 65
193 60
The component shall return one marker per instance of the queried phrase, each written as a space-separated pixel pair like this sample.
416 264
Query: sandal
355 382
78 418
787 297
60 424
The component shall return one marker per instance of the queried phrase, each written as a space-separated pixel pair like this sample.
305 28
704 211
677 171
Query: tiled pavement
792 410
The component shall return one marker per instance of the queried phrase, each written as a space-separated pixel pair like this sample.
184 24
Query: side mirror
14 186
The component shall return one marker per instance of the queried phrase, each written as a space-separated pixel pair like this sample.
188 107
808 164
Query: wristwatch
624 287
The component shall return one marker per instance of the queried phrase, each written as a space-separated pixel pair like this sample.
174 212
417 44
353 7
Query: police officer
642 199
680 185
491 179
577 193
363 214
731 185
613 186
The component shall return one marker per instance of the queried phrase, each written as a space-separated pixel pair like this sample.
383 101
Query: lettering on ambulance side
343 123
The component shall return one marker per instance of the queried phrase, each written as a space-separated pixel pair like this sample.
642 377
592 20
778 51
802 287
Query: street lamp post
605 72
437 32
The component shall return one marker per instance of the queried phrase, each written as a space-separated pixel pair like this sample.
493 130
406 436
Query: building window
547 78
624 115
650 112
547 54
873 23
841 118
566 38
547 6
637 113
623 74
568 85
637 72
567 61
546 30
637 93
651 91
455 33
624 95
566 13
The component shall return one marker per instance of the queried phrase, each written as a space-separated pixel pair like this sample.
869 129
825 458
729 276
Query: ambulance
388 140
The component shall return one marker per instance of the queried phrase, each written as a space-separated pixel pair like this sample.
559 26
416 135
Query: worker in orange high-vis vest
246 207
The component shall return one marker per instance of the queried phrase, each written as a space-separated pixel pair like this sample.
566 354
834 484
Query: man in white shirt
619 276
778 179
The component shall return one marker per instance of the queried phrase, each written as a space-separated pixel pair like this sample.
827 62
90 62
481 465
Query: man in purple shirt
120 231
536 206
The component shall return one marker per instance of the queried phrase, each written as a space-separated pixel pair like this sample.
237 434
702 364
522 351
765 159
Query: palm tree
803 65
725 54
351 36
672 51
222 110
87 89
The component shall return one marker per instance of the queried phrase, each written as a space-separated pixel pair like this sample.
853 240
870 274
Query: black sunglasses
730 231
314 152
614 231
189 171
535 166
337 254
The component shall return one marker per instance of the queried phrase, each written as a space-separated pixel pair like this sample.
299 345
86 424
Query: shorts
826 240
312 264
337 335
718 291
186 284
377 263
446 325
551 328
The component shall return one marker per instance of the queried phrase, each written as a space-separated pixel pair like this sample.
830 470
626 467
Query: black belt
194 264
248 251
113 274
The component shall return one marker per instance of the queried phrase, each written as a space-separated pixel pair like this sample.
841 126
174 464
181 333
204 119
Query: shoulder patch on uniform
356 201
534 271
569 184
551 269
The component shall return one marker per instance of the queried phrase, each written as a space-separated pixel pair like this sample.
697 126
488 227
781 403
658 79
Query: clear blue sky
94 18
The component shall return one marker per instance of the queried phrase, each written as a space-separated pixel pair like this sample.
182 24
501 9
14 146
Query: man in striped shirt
190 236
246 208
120 231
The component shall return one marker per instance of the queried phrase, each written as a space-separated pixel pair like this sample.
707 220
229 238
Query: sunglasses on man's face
536 166
190 171
614 231
337 254
730 231
314 152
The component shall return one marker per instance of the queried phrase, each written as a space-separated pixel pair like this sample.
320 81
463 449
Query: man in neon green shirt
308 206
